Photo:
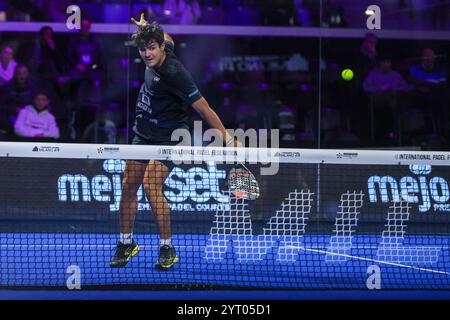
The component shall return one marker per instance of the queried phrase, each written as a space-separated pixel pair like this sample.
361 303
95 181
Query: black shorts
138 140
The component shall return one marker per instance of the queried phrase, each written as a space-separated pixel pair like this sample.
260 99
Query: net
324 219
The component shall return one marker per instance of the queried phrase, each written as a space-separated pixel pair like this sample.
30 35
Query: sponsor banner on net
46 149
347 155
423 156
108 150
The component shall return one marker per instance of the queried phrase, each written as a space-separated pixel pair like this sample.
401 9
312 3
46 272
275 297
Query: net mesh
322 221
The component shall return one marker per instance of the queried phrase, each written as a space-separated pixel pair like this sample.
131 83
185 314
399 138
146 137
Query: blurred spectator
428 72
430 93
84 54
182 11
383 84
302 14
47 60
85 67
35 120
102 130
277 12
7 64
384 79
16 94
313 9
366 57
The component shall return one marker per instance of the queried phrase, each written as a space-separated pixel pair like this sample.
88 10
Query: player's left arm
211 117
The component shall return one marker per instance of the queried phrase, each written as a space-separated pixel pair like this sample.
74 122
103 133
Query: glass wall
398 96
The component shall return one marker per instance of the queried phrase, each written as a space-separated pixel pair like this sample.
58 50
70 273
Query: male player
162 107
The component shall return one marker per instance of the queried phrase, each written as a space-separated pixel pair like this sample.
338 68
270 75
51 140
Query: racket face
242 184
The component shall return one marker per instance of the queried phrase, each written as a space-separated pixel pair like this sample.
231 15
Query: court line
76 246
177 246
371 260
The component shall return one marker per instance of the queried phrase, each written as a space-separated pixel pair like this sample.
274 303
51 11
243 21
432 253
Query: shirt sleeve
369 83
22 129
182 84
52 130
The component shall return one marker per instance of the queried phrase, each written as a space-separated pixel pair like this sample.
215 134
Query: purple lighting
304 87
226 86
392 135
264 86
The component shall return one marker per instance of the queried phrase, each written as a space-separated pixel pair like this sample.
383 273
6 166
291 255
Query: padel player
162 107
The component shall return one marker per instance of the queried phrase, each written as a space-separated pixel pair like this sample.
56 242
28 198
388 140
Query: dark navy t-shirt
164 99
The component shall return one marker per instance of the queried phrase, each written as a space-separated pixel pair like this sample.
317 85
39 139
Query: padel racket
242 183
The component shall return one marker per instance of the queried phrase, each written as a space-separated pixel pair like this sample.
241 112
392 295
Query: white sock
165 242
126 238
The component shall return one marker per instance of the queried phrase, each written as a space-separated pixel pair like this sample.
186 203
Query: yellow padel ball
347 74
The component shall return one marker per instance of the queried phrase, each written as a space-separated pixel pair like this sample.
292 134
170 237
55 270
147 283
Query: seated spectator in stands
16 94
383 84
7 64
35 120
428 72
182 11
101 130
430 81
384 79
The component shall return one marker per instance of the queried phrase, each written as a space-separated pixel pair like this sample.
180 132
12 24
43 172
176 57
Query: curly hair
146 34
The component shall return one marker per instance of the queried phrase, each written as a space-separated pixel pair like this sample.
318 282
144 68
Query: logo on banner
195 189
108 150
349 155
287 154
46 149
111 149
428 192
422 156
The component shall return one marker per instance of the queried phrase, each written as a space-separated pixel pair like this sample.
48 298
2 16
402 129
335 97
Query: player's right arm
168 38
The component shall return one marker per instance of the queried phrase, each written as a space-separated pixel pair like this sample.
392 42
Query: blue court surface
271 268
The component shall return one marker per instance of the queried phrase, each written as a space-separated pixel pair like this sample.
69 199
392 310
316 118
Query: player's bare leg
127 247
155 175
133 177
